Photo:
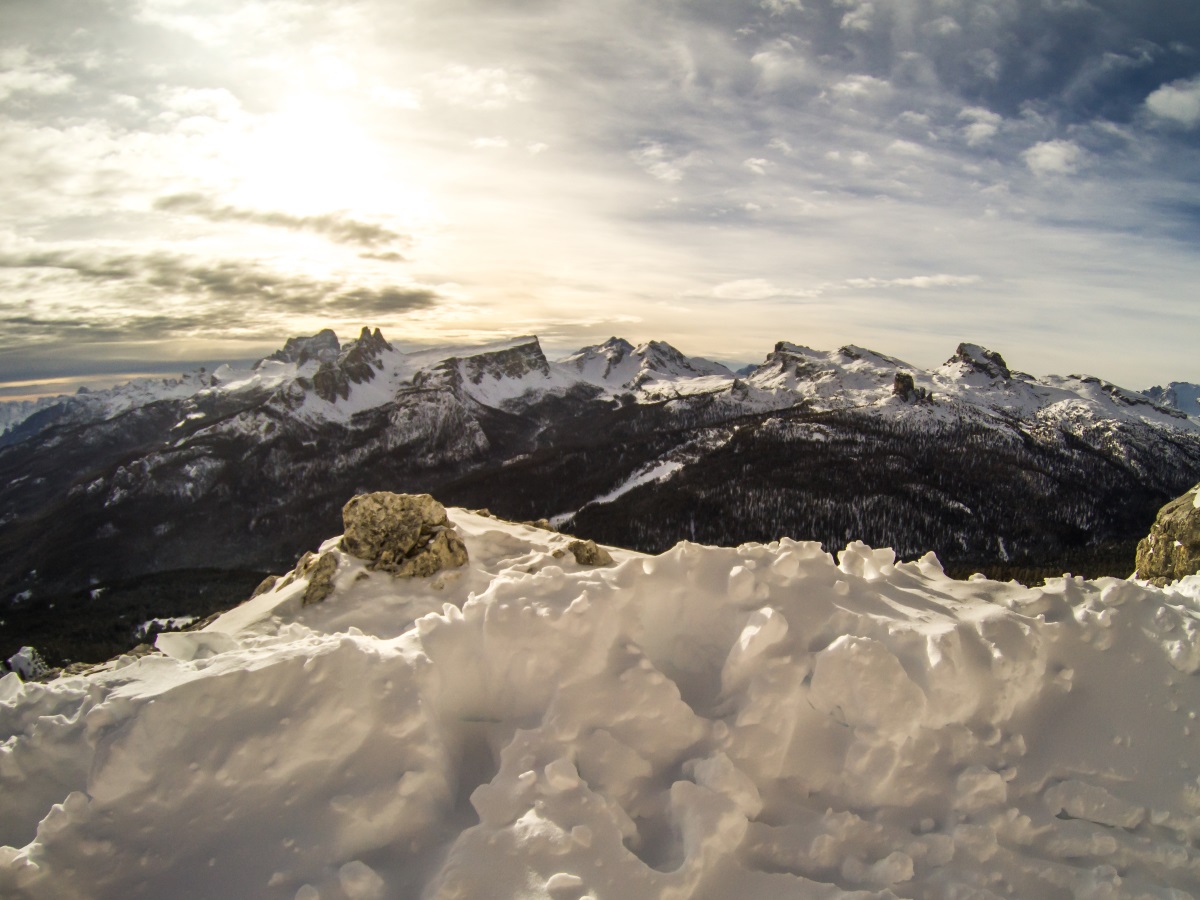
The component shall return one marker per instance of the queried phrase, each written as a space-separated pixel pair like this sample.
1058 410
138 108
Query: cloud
860 16
662 163
747 289
22 73
780 67
906 148
164 294
984 125
757 165
782 7
337 227
488 88
1178 101
1056 157
922 282
854 87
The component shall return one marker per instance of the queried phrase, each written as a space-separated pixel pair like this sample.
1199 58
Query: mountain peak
322 346
980 359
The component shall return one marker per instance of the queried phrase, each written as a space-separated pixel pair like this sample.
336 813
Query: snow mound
758 722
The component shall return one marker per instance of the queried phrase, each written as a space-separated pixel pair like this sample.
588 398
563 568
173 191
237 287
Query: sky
195 180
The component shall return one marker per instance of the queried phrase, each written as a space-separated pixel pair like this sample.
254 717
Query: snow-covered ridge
319 379
754 722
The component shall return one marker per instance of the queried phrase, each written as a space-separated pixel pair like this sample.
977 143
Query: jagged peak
786 347
980 359
613 343
323 346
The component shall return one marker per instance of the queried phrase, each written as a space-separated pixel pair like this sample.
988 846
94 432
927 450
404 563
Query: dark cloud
167 296
335 226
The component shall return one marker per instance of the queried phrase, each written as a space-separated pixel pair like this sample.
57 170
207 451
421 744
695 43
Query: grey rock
320 571
1172 548
265 585
407 535
980 359
589 553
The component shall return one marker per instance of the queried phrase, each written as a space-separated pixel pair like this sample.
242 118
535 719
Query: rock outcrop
1172 548
589 553
407 535
980 359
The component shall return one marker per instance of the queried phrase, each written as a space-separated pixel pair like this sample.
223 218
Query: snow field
757 722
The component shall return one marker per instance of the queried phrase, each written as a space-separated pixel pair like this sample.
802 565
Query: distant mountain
113 500
1180 395
618 364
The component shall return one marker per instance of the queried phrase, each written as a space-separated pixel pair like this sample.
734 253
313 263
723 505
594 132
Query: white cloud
1053 158
922 282
943 26
215 103
779 7
780 66
490 143
780 145
906 148
860 86
493 88
21 73
1178 101
860 16
661 163
757 289
984 125
756 165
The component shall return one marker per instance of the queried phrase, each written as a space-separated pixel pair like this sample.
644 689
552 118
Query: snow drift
758 722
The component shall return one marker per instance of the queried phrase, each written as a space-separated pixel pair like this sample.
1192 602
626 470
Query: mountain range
167 498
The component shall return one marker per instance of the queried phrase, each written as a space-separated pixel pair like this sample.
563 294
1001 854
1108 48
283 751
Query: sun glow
313 156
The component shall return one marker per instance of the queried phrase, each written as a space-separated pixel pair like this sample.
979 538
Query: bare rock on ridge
589 553
1172 548
407 535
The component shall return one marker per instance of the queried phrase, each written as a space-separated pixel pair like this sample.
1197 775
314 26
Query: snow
660 470
754 722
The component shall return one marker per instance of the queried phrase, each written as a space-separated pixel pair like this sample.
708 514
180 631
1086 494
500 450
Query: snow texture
755 722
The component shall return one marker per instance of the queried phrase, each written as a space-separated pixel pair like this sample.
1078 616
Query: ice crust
751 723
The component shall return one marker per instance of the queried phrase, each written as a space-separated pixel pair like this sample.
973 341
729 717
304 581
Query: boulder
319 571
406 535
589 553
1172 548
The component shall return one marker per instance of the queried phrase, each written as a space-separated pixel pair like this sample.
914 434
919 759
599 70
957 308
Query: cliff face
1172 548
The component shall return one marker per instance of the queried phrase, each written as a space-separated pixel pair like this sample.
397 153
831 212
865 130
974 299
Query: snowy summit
760 722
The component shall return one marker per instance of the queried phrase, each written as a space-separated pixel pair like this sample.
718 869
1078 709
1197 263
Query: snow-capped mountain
1180 395
617 364
114 494
760 722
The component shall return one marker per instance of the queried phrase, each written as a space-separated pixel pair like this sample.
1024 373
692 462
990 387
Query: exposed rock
322 346
589 553
1172 548
331 382
360 360
356 364
265 585
405 534
980 359
319 571
906 389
